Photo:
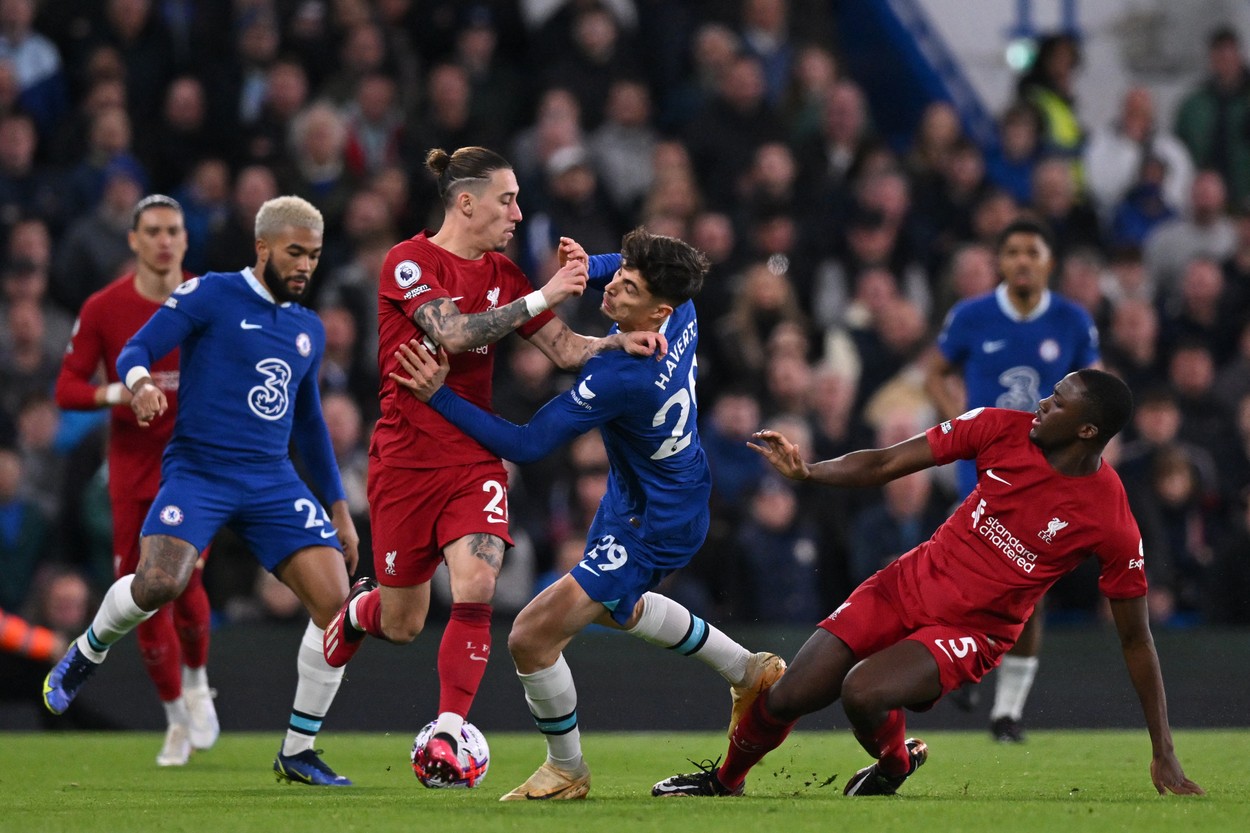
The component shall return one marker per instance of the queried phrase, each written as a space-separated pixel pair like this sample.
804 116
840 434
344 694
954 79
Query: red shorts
873 618
414 513
128 517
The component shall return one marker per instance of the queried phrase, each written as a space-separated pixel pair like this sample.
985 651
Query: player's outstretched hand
783 454
570 249
568 282
148 403
425 372
640 343
1167 774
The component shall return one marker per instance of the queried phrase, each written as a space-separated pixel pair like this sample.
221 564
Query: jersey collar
259 288
1004 304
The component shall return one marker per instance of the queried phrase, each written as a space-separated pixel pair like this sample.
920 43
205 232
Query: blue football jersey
248 377
1009 361
659 482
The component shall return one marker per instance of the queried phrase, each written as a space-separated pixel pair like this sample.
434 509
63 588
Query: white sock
670 625
118 615
1015 680
176 712
552 699
449 723
195 679
318 683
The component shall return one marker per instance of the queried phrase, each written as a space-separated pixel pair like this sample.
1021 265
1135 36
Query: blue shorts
618 568
274 512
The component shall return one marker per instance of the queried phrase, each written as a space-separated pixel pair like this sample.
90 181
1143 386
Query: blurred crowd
836 253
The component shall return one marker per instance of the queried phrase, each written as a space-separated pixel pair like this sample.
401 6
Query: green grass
1057 781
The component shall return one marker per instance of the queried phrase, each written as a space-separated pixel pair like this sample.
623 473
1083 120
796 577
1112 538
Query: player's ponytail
467 167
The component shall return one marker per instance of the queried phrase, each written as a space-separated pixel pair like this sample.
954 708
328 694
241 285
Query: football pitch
1056 781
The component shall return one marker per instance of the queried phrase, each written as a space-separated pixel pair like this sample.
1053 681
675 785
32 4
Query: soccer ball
474 758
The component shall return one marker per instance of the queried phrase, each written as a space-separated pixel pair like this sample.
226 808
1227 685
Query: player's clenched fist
568 282
148 403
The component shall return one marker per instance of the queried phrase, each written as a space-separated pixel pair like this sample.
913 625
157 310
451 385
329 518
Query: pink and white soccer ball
474 757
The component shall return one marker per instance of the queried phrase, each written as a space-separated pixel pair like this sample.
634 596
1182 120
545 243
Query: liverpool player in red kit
946 612
435 494
174 642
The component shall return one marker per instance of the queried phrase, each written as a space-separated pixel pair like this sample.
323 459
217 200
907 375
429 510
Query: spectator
1142 209
1019 149
812 76
108 151
1229 572
317 167
1211 119
1132 349
765 31
26 189
725 135
1207 231
1116 154
1056 200
600 55
623 146
281 93
781 549
94 248
25 535
205 199
1200 312
42 90
1049 86
375 125
496 86
234 241
181 137
140 36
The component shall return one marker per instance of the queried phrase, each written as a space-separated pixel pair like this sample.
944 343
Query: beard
277 285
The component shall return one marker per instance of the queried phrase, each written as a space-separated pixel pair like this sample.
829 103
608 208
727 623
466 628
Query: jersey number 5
683 399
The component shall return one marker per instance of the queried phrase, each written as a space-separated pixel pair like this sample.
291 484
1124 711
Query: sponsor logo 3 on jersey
416 290
171 515
992 530
1053 526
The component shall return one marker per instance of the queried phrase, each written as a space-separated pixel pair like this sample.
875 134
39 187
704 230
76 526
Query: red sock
158 645
756 734
191 621
369 613
462 657
887 744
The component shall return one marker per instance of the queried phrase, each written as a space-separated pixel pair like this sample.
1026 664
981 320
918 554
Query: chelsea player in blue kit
1008 349
248 387
651 521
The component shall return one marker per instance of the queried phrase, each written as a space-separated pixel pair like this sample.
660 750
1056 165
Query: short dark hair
152 201
1024 225
1109 400
1222 36
468 165
673 269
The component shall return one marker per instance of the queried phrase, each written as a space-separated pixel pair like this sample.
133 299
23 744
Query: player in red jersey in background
174 642
435 494
945 613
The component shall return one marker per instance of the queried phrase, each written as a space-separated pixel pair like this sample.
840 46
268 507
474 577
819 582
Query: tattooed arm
457 332
570 350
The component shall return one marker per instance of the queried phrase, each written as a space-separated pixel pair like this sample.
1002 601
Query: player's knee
477 588
861 694
402 630
151 589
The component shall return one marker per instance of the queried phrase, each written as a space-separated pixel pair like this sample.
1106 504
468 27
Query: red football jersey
106 322
1023 527
410 433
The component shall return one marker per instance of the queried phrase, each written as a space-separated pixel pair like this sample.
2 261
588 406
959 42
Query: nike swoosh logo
665 788
476 658
329 534
248 326
458 298
490 519
584 390
990 474
993 346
